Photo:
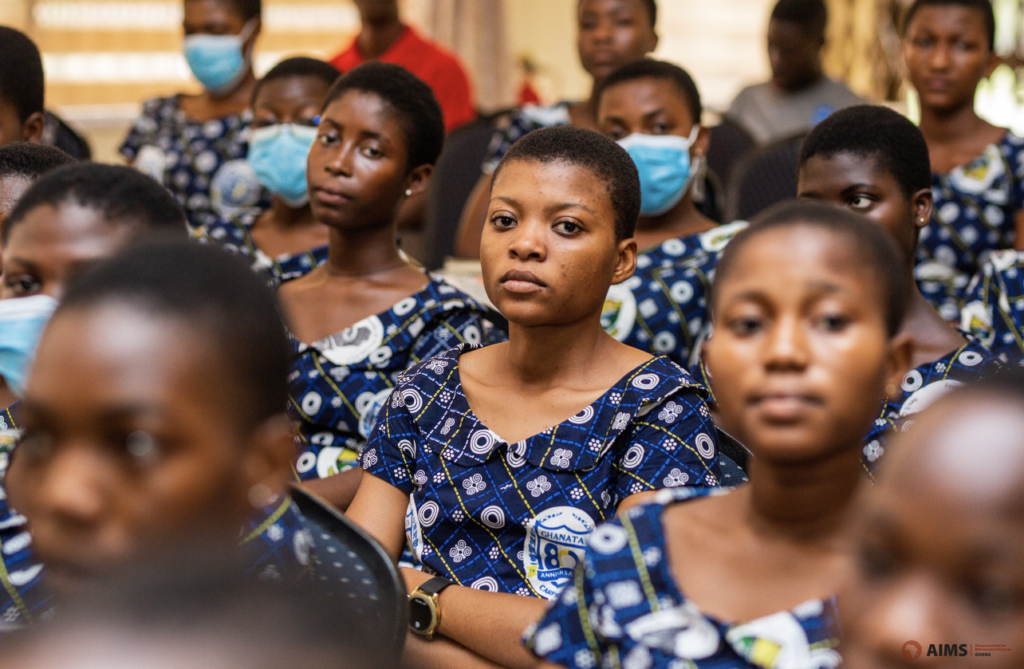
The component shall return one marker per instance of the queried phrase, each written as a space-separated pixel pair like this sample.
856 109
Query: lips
331 196
784 406
521 281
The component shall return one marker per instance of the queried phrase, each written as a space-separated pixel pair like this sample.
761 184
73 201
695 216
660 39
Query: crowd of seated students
785 443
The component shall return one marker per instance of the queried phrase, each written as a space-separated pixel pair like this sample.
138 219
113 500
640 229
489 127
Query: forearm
440 653
1019 241
338 490
491 623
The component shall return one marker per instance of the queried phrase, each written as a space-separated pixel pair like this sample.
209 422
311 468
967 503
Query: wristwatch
424 612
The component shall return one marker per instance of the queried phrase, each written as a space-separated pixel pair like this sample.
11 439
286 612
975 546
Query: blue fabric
514 517
975 209
994 305
339 384
203 164
624 609
663 307
920 388
235 234
520 122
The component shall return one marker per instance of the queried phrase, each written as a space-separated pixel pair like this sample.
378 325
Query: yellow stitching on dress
330 382
675 437
444 562
589 496
641 567
11 590
274 517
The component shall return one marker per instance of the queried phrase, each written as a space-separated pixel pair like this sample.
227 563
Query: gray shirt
770 113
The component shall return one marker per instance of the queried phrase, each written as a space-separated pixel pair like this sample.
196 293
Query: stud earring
408 193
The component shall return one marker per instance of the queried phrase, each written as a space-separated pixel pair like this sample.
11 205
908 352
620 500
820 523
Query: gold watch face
422 614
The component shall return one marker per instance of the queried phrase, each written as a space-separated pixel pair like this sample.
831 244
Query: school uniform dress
338 385
663 307
624 609
994 306
235 234
521 122
920 388
975 209
515 517
202 163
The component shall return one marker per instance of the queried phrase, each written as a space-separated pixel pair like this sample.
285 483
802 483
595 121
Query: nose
897 622
602 32
939 59
70 492
527 241
787 345
341 160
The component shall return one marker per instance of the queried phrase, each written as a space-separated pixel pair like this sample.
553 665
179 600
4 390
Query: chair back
766 176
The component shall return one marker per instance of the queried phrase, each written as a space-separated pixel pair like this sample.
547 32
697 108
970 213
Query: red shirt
437 67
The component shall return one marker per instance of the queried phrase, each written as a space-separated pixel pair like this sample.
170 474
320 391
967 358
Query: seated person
384 37
361 319
994 305
747 578
284 241
653 110
195 145
940 541
799 95
21 164
22 85
494 464
977 168
610 33
155 424
873 161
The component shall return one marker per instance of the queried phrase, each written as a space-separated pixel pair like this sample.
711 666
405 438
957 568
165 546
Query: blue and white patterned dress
625 610
521 122
235 234
202 163
663 307
514 517
975 209
920 388
994 307
338 385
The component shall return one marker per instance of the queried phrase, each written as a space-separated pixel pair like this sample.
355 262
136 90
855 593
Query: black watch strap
434 585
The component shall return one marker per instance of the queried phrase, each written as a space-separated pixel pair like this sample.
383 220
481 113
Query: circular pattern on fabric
482 441
705 445
971 358
487 584
305 462
674 247
664 342
634 456
912 381
682 292
583 416
608 539
407 447
493 517
412 400
645 381
471 334
429 513
380 356
405 306
517 455
311 404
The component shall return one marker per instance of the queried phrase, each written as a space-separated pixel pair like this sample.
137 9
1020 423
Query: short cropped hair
418 111
21 73
872 245
300 66
216 293
879 133
810 15
983 6
652 11
122 195
658 69
592 151
31 160
247 9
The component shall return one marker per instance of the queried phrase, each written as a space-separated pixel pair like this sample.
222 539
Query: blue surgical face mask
218 61
663 162
278 154
22 321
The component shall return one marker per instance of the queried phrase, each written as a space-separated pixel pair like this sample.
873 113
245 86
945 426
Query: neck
805 501
362 251
377 36
241 95
682 220
280 215
943 125
545 356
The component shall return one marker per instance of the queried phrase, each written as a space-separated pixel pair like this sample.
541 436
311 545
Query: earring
890 389
408 193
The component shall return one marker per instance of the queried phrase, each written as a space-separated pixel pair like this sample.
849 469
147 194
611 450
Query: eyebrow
552 209
44 413
856 187
817 287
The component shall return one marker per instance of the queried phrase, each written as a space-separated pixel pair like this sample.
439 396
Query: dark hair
21 73
247 9
31 160
873 246
214 292
879 133
657 69
589 150
122 195
409 97
650 5
810 15
300 66
984 6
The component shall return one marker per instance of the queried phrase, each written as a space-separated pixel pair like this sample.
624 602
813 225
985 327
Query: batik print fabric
338 385
235 234
515 517
202 163
994 307
975 209
663 307
624 609
921 387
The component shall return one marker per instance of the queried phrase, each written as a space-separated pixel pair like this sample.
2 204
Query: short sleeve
566 635
391 451
141 132
673 444
462 326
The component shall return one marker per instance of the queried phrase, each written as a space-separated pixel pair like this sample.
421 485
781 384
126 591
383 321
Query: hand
414 578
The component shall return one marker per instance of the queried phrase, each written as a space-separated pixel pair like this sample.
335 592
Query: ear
256 29
32 128
418 181
901 350
995 60
268 460
654 41
923 201
702 143
625 264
